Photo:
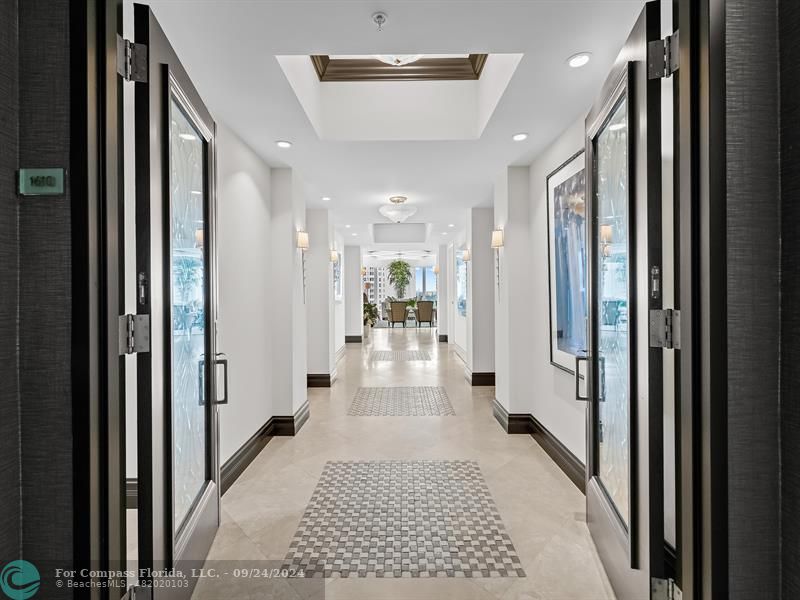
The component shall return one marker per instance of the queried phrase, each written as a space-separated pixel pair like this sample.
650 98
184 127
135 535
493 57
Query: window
426 283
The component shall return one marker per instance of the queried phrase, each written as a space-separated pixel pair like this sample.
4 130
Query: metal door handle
578 360
224 363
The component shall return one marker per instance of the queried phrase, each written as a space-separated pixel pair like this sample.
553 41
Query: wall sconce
302 240
435 269
465 255
334 256
498 241
606 237
302 245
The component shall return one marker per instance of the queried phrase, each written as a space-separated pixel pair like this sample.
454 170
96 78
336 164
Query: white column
288 306
480 295
353 294
319 295
513 348
443 305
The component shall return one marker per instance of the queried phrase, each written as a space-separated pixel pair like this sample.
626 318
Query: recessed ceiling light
452 225
283 144
444 233
347 226
579 60
355 235
326 198
187 136
519 137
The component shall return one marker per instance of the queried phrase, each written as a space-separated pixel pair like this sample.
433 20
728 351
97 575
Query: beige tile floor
543 511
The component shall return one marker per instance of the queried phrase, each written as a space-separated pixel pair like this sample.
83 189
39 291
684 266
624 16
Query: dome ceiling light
397 211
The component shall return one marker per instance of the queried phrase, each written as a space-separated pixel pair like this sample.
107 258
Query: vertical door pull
578 360
224 363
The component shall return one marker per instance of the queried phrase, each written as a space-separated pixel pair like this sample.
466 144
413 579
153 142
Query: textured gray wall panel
9 391
790 296
753 317
45 291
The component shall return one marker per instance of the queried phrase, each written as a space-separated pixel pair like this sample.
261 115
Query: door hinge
665 329
131 60
664 589
134 334
663 57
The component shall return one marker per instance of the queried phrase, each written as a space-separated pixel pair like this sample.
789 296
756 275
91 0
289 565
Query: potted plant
370 317
399 276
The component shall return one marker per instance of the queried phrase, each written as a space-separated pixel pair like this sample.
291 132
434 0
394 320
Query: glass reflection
187 193
612 298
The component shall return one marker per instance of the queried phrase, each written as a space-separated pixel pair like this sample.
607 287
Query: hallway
539 508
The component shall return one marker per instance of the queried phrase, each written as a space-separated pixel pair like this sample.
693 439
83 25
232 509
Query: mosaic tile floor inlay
426 518
400 355
413 401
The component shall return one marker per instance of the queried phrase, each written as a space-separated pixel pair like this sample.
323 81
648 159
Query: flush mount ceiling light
283 144
519 137
398 60
397 212
452 225
326 198
579 60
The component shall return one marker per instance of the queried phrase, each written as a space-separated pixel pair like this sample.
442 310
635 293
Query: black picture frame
566 362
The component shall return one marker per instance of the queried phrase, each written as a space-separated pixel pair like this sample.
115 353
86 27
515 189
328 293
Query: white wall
319 299
552 397
480 291
513 351
353 297
289 308
338 309
442 287
246 292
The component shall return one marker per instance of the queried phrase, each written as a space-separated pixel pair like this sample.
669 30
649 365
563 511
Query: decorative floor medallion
425 518
400 355
417 401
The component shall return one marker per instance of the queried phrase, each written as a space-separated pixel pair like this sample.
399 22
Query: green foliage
370 314
399 276
412 303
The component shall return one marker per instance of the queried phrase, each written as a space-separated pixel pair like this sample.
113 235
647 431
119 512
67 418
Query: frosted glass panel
612 298
187 194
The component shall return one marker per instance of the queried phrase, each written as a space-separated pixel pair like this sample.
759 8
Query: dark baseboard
479 379
132 493
511 423
352 339
315 380
240 460
561 455
443 338
290 425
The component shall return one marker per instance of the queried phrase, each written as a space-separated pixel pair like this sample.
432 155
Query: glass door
625 476
178 457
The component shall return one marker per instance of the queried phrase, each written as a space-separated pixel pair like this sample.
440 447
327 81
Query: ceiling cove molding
425 69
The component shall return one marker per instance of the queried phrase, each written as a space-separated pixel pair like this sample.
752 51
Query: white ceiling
229 48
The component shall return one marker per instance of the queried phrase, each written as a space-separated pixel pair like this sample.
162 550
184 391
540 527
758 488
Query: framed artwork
566 237
461 284
337 278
